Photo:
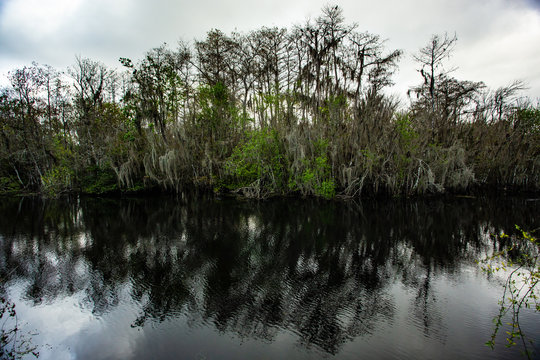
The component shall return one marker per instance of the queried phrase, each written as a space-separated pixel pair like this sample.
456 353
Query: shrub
9 186
99 180
258 163
520 288
57 181
316 178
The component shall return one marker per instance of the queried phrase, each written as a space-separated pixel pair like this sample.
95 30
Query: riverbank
192 192
266 113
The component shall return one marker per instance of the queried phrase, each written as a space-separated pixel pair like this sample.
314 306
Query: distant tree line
269 112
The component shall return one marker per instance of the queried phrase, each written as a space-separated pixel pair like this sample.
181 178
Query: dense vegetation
274 111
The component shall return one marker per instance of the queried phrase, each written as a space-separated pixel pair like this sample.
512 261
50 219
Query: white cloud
31 19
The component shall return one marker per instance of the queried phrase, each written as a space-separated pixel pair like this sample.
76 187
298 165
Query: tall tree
441 98
90 80
28 85
159 87
430 58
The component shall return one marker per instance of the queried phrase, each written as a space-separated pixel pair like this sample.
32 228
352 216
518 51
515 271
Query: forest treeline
270 112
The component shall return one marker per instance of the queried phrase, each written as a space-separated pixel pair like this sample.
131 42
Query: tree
215 60
30 147
268 46
90 79
441 98
431 59
159 87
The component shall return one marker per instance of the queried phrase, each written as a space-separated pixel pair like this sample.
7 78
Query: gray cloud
497 39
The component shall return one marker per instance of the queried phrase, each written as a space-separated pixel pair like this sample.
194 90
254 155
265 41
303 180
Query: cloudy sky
498 40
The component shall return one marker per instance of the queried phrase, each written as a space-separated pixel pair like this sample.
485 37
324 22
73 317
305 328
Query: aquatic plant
521 257
14 344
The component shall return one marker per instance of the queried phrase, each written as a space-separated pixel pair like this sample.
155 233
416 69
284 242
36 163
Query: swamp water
164 278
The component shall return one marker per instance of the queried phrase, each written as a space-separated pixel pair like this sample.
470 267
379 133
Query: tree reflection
320 269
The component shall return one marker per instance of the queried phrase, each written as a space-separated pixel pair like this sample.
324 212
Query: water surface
196 278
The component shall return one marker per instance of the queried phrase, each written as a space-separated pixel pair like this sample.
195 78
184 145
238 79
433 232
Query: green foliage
259 160
57 181
129 135
137 187
60 178
157 99
326 189
521 258
407 134
528 119
99 180
9 186
217 111
333 107
316 178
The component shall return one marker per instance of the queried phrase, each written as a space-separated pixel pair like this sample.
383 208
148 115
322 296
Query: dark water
164 278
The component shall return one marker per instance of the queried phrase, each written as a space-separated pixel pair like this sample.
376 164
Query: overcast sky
498 40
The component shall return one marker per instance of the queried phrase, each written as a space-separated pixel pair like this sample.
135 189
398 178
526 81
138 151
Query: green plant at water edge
60 177
315 178
99 180
258 163
58 180
9 186
13 344
406 131
520 288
